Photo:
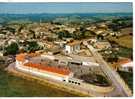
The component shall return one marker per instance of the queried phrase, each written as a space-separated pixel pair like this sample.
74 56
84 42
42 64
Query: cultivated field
124 41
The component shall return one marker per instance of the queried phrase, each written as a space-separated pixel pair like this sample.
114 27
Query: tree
100 37
32 33
64 34
32 46
82 33
77 35
12 49
12 30
113 57
21 27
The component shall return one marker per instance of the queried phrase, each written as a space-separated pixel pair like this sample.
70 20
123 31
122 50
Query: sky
25 8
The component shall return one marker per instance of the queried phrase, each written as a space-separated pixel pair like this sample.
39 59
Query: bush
32 46
64 34
11 49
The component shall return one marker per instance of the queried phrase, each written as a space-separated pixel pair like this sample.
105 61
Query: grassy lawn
128 77
11 86
125 52
95 79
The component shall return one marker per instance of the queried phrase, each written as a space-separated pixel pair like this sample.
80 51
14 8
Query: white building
75 59
1 53
60 43
86 61
2 36
72 47
50 72
126 65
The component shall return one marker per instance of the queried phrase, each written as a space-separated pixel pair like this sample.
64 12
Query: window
75 82
75 63
69 81
64 80
56 60
72 81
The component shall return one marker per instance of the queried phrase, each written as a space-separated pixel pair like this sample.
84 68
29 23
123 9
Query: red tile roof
57 70
32 54
74 43
124 61
63 71
20 57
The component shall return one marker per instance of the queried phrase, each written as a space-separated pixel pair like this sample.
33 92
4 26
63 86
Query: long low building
61 74
73 59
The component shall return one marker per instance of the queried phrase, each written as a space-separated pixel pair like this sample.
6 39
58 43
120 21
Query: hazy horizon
65 8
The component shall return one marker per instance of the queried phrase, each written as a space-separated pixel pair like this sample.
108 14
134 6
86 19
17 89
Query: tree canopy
12 49
32 46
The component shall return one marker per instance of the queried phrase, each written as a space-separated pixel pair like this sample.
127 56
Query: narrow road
121 87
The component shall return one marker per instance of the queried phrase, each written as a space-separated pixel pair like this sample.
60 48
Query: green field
11 86
125 52
128 78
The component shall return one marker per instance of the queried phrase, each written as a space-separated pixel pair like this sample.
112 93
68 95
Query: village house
91 28
102 25
1 53
102 45
70 30
125 65
99 31
61 43
2 36
72 47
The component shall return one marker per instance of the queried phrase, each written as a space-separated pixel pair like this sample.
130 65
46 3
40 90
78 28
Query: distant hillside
76 17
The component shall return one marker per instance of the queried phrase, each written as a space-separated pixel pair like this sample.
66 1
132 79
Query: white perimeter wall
90 64
41 73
